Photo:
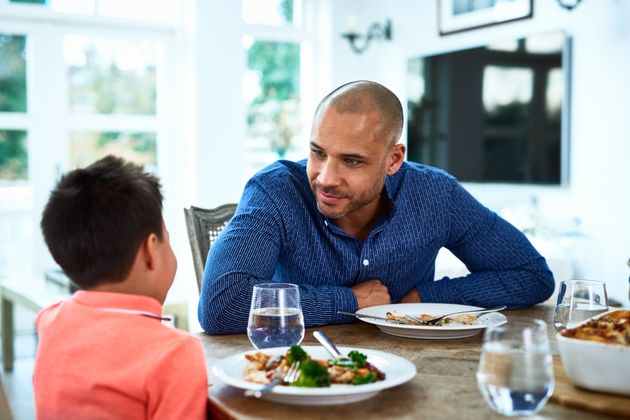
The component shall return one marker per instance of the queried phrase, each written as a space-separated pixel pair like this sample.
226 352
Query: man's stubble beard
371 194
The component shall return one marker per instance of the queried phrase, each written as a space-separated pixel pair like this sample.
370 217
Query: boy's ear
149 250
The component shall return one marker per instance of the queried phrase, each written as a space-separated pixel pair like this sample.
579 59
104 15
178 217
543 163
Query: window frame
49 121
302 33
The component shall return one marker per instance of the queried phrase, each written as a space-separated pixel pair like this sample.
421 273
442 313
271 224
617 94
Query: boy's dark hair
97 217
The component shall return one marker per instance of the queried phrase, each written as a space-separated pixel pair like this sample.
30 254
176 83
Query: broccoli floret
358 358
296 354
312 375
369 377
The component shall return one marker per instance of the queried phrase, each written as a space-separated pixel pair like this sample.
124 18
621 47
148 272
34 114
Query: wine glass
515 373
275 316
579 300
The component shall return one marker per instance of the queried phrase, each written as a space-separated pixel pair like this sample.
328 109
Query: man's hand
413 296
371 293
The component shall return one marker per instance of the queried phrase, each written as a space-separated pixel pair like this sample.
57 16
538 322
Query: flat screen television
494 114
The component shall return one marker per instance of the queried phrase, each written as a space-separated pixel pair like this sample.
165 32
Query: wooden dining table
443 388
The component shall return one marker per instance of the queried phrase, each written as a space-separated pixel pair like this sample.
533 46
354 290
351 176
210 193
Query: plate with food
405 320
321 380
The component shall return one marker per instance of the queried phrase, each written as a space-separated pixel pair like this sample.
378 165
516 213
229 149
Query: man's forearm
412 297
516 288
224 304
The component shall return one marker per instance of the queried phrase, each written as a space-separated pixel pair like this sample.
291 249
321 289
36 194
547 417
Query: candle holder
359 43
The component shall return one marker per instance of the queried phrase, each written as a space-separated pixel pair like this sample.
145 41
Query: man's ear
396 158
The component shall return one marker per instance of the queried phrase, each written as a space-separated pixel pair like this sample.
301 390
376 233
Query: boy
104 353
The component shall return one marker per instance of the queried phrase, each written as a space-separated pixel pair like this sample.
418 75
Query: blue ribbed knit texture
277 234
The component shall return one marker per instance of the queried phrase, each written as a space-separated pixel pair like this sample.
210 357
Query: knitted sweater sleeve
505 268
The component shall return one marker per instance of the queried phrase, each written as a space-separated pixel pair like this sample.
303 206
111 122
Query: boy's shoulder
48 314
110 320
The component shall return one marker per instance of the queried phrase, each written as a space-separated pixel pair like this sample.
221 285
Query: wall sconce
359 43
569 4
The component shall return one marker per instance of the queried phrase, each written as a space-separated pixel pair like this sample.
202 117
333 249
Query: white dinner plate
445 332
397 370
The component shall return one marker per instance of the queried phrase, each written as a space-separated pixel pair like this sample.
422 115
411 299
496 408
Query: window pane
268 12
29 1
87 147
13 156
12 73
109 76
161 10
271 88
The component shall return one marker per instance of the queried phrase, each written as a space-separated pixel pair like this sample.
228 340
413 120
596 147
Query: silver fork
291 376
332 349
439 318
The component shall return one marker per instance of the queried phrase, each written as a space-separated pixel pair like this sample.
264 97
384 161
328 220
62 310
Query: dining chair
204 226
5 409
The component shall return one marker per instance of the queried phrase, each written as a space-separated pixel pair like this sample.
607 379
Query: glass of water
515 372
275 316
579 300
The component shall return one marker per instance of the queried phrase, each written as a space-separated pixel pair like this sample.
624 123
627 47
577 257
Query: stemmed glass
515 372
579 300
275 316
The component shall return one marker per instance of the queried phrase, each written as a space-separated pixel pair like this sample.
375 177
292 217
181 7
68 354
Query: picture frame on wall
462 15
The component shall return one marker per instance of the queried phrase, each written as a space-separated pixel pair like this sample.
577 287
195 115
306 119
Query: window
13 156
269 12
273 87
88 146
148 10
111 82
100 86
13 107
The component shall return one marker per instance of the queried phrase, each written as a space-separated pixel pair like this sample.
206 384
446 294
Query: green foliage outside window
268 12
87 147
273 115
278 64
12 73
286 8
13 155
102 87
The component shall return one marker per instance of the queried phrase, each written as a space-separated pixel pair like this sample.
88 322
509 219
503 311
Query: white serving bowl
596 366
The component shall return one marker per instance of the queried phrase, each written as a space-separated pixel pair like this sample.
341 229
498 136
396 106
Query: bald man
355 225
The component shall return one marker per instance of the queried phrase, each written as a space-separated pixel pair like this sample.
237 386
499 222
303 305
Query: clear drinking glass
515 372
275 317
579 300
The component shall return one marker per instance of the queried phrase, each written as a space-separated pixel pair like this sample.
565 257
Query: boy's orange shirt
99 358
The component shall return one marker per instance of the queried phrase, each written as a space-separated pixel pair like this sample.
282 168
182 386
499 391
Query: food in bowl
595 354
611 328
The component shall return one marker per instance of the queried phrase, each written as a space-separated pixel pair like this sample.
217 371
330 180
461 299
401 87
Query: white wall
220 107
599 189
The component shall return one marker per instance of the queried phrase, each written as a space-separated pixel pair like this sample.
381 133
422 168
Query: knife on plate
380 318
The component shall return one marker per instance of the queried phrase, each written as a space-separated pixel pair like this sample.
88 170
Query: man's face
348 162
